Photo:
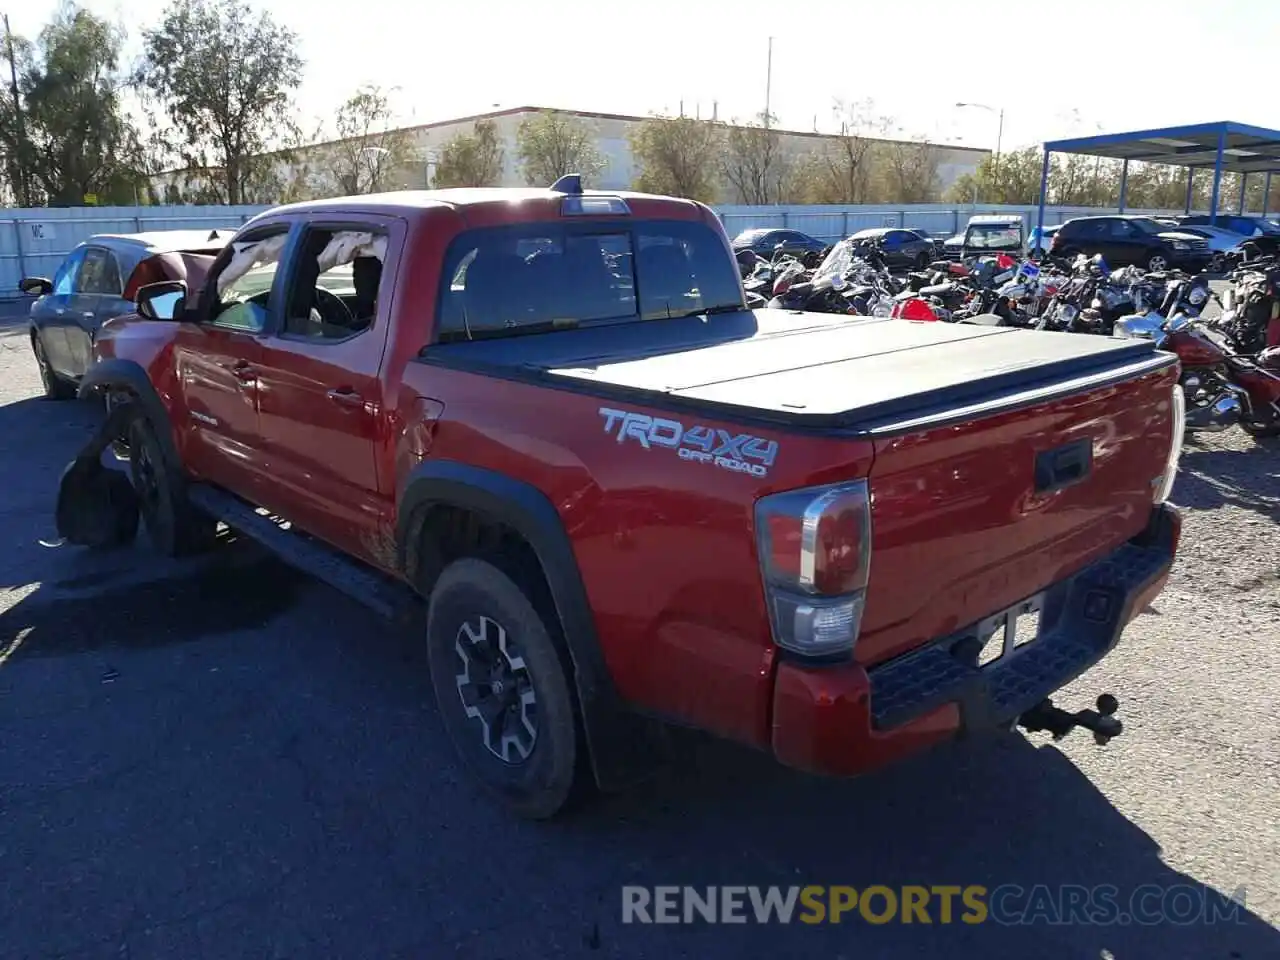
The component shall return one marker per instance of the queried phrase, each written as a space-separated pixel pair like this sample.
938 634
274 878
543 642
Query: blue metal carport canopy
1222 147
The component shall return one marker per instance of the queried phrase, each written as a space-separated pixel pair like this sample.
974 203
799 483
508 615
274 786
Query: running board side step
380 593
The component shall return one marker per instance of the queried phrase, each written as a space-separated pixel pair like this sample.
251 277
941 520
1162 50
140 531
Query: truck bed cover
870 374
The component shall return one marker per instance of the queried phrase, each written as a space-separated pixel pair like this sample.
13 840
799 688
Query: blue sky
1056 69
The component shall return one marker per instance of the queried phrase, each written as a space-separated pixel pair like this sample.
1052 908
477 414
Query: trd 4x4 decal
739 452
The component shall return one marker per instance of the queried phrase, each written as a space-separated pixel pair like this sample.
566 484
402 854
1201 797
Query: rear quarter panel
665 546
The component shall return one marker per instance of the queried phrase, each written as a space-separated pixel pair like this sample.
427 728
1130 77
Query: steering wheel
332 309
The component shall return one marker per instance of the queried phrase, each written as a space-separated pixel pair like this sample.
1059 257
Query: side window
64 279
100 273
244 285
1123 230
333 289
1093 230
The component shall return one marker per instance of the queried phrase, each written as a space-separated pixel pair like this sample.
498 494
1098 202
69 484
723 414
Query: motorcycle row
1230 363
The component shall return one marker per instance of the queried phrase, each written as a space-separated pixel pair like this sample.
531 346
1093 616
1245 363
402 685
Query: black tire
536 773
922 261
1157 260
174 527
55 387
1261 431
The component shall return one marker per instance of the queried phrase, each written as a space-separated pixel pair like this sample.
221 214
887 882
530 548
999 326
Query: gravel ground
222 758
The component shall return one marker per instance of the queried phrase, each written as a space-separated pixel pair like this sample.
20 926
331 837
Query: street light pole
990 109
768 83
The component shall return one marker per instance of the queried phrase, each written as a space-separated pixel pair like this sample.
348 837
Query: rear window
993 236
533 278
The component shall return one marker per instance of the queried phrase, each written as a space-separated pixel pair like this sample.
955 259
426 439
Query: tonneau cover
819 368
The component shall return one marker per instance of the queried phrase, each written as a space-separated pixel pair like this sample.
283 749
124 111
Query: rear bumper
844 720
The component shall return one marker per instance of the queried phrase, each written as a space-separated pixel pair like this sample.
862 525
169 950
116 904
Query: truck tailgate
973 517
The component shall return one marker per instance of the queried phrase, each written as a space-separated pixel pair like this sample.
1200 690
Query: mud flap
97 506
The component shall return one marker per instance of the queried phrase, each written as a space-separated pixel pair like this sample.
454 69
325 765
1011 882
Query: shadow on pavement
1208 479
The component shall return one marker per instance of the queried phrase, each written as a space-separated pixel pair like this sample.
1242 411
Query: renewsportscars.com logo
738 452
1007 905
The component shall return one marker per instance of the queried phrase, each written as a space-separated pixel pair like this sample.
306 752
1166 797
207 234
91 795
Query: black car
1132 240
767 241
87 290
901 248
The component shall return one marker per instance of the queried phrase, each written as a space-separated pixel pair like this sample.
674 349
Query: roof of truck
407 201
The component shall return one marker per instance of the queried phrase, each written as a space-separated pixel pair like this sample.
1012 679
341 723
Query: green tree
474 159
551 144
369 150
677 156
75 139
226 79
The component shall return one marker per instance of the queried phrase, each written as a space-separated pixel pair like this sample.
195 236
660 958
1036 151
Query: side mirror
36 286
162 301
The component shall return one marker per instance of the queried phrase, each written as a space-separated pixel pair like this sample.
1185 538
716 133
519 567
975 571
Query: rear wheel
502 688
174 527
55 387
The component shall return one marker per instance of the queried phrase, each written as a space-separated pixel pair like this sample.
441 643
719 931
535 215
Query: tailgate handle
1063 465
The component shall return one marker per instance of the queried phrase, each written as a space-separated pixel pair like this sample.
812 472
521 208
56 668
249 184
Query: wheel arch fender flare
610 727
116 373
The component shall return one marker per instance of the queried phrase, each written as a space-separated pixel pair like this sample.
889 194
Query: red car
542 424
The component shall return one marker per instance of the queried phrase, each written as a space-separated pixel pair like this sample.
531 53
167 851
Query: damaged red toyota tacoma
545 420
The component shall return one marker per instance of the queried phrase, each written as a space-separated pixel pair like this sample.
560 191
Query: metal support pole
1044 188
1266 194
768 84
1191 176
1124 183
1244 182
1217 178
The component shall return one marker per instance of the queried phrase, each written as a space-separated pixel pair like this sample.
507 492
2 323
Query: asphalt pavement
224 759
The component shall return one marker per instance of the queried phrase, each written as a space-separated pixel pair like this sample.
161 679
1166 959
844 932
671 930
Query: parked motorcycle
1220 386
1251 307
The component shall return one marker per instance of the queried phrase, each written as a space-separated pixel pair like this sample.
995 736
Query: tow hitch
1045 716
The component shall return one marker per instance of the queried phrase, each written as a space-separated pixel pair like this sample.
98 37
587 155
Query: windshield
993 236
538 277
838 262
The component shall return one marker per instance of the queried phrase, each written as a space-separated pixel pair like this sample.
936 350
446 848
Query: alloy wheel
1158 263
496 690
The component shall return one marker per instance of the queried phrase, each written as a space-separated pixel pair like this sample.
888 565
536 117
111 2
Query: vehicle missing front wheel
97 507
1045 716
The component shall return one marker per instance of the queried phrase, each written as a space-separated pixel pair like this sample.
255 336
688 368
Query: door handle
346 397
89 314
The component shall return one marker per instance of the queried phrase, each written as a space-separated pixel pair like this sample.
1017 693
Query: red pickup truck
618 496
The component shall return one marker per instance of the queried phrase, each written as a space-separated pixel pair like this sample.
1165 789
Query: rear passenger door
98 283
320 396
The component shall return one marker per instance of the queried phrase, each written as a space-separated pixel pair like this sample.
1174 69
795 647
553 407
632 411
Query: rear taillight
1053 241
815 553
